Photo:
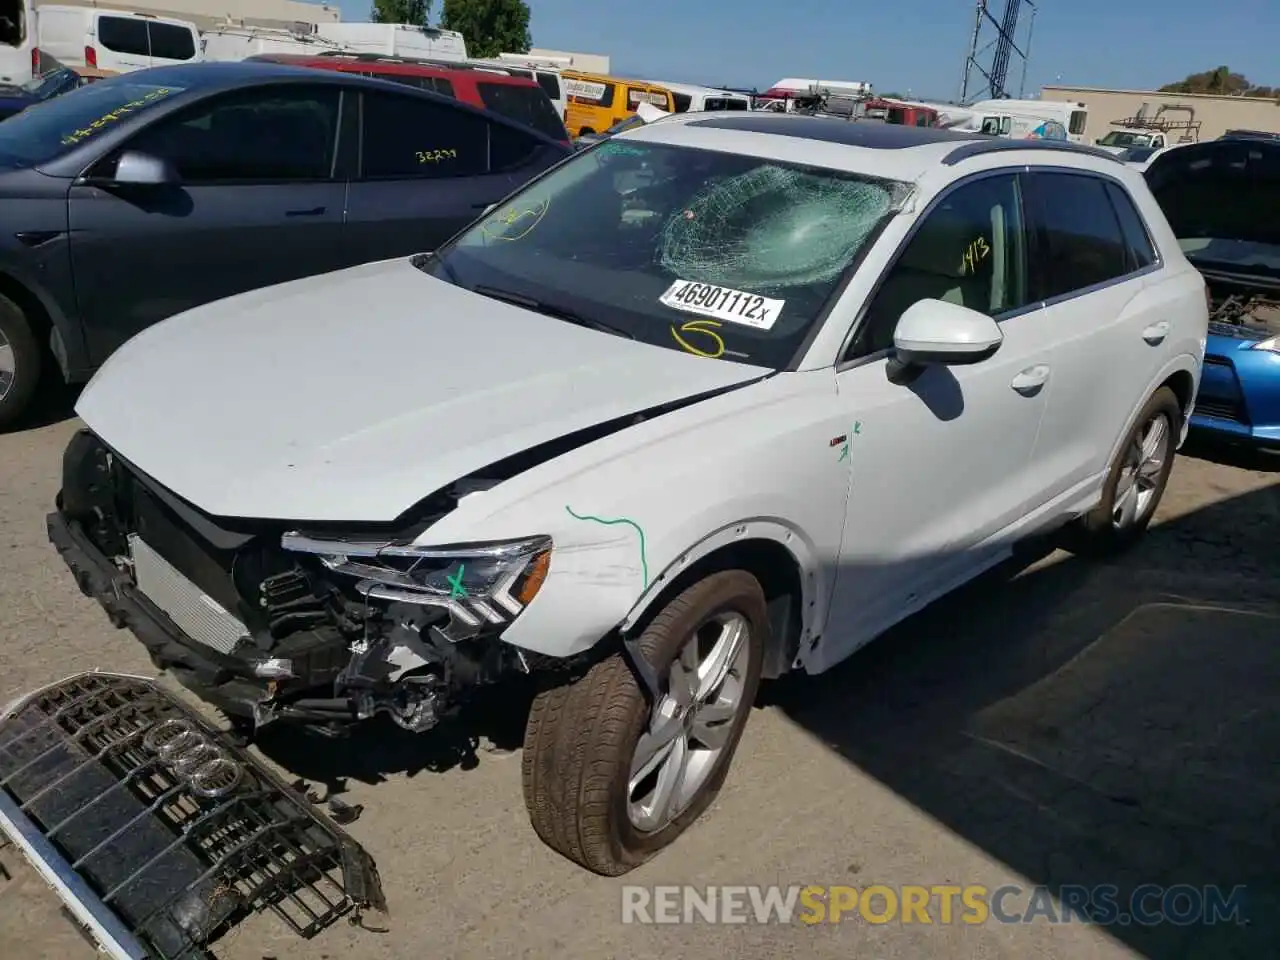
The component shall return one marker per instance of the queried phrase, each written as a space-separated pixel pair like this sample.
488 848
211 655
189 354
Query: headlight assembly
477 583
1272 345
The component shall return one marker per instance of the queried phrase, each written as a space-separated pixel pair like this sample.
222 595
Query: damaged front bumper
157 832
226 682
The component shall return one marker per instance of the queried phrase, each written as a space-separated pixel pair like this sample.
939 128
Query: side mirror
137 169
934 332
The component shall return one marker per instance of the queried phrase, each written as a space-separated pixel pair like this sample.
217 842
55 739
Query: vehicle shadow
1231 454
1093 724
54 403
493 722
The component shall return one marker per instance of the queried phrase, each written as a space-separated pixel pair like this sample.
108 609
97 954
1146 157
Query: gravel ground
1063 724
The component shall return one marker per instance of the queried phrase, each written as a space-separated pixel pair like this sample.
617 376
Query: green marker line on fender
644 562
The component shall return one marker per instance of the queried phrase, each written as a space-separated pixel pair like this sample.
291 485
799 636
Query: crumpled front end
267 623
156 831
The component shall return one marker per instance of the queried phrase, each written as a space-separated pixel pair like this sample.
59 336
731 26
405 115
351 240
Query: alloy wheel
8 366
692 723
1139 480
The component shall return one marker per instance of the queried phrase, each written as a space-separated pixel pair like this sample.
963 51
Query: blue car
44 87
1222 198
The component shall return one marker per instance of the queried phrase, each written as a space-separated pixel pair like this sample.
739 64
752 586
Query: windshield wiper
550 310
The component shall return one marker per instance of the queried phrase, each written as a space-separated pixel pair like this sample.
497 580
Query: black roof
852 133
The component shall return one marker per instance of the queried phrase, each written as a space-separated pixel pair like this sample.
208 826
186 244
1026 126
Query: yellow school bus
596 102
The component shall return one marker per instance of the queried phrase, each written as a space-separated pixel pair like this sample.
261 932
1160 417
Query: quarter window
1137 239
250 136
1080 239
409 138
970 250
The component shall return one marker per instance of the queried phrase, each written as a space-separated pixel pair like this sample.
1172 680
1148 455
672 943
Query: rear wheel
20 362
609 782
1136 481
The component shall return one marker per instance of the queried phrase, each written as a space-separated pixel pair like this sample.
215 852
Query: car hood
353 396
1225 191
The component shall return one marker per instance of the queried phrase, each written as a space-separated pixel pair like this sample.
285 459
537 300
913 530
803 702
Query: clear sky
907 45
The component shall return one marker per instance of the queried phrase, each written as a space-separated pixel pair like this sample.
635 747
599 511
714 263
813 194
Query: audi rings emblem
207 769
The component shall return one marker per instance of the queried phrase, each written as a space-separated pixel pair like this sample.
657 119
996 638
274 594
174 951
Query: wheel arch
782 561
1181 376
44 317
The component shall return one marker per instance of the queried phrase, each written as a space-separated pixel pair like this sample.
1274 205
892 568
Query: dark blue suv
146 194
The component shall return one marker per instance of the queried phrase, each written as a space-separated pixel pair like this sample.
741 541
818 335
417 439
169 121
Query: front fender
628 512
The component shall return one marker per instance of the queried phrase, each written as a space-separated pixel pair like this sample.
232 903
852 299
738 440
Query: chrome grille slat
192 610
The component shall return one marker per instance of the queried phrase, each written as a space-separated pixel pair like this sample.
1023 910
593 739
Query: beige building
586 62
1215 114
207 13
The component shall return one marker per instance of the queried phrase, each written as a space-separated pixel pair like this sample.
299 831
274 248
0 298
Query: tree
1222 82
490 27
401 11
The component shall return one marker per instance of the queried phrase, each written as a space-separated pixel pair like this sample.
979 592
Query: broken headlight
479 584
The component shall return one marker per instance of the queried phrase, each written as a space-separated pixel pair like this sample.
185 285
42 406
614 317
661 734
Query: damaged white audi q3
716 399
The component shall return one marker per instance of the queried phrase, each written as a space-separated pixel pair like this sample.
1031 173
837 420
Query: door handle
1030 380
313 212
1156 333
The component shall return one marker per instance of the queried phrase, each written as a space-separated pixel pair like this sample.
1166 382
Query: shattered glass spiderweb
770 228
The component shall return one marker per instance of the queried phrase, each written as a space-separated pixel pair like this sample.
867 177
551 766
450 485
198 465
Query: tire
20 362
582 737
1099 533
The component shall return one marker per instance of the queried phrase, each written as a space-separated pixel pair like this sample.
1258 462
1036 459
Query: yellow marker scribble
705 327
977 251
435 156
106 119
526 218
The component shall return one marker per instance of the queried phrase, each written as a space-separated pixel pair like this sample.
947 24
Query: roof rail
977 148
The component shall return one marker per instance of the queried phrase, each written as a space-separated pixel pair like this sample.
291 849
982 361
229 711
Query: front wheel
609 782
1136 481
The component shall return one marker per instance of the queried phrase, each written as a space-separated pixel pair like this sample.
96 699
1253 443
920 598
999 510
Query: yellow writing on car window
436 156
89 129
975 253
514 223
707 328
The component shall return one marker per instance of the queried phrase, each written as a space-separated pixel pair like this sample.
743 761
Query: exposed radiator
194 612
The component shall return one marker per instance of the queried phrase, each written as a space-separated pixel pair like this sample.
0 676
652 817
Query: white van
240 42
396 40
691 98
114 41
1073 116
19 53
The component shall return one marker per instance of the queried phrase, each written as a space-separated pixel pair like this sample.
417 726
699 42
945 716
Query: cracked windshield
719 255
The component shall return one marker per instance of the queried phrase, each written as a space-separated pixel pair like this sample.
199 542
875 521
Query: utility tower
993 45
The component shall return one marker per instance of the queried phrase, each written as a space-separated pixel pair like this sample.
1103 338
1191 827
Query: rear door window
410 138
126 35
1077 123
171 42
527 105
1080 243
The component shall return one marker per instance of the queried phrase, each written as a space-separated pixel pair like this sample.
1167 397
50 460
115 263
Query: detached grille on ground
156 819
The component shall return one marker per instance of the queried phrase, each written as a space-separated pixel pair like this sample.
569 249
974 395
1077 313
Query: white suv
716 399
